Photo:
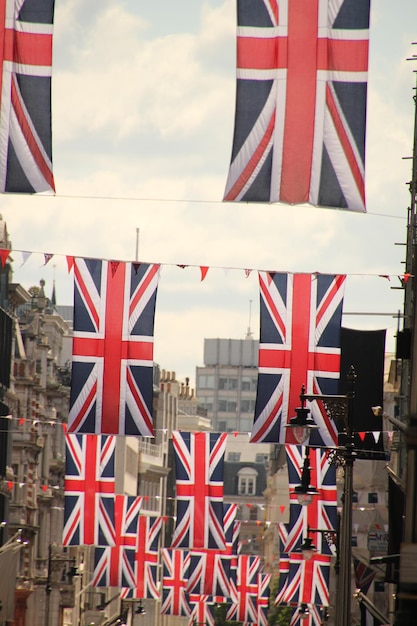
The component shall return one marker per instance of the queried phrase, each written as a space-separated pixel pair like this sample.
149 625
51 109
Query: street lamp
305 491
302 424
346 453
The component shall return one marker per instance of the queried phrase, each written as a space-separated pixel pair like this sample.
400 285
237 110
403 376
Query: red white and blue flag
322 512
308 580
264 580
209 573
299 346
89 490
199 465
25 96
245 610
112 361
301 103
175 564
146 560
202 611
115 566
284 564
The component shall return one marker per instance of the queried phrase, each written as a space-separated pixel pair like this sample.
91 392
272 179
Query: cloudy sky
143 114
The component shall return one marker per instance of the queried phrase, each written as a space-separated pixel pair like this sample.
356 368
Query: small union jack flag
299 346
174 582
89 490
115 567
202 612
199 464
149 530
112 361
245 610
264 581
301 103
284 564
25 92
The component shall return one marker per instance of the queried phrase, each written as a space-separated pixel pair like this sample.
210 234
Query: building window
249 383
206 381
261 458
372 498
233 457
247 406
247 481
228 384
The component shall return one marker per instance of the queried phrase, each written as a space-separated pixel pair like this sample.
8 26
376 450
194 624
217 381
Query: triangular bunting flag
4 255
25 256
362 436
113 267
70 263
376 434
248 273
136 266
47 257
204 271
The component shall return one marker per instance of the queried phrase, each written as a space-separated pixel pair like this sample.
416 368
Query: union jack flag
209 573
174 582
89 490
313 618
199 464
245 610
149 530
322 512
308 580
264 581
25 88
299 345
284 564
115 567
301 103
112 362
202 612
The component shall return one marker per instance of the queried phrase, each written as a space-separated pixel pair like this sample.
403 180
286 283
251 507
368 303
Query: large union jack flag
202 611
149 530
112 361
245 610
299 345
199 464
89 490
175 565
25 88
115 566
300 103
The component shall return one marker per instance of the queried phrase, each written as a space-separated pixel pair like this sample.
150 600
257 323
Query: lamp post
346 456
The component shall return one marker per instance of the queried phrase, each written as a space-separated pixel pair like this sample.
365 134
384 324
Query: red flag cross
115 346
21 50
302 51
199 488
89 481
143 555
298 356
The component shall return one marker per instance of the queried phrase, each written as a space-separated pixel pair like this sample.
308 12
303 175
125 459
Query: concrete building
226 384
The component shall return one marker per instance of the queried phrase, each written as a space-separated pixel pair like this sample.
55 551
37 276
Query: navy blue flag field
301 91
112 353
300 319
25 88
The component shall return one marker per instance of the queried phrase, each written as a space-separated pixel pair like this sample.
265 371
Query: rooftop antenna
249 333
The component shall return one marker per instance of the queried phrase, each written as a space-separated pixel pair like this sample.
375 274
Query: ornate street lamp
305 491
302 424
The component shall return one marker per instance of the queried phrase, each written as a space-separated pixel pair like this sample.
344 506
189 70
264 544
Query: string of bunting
26 254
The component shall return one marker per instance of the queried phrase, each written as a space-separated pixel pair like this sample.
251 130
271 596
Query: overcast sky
143 114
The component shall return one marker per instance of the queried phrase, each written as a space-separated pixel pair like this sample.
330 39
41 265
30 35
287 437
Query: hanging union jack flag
146 565
264 580
199 464
89 490
300 103
299 345
115 566
174 582
308 580
25 93
245 610
322 512
112 360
